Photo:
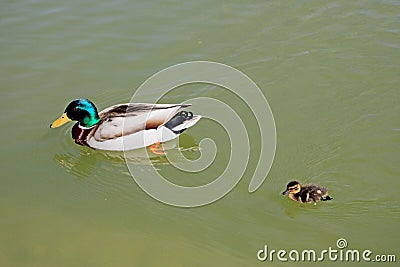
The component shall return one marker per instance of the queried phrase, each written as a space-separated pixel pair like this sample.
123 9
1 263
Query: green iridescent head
81 110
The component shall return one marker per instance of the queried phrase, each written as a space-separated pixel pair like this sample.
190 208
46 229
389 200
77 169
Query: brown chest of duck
308 193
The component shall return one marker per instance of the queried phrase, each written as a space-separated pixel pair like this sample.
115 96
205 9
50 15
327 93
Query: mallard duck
308 193
125 126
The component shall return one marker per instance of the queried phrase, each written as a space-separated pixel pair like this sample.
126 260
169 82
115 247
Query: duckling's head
292 187
81 110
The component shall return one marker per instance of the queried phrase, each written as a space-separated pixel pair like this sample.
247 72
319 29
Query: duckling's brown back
313 193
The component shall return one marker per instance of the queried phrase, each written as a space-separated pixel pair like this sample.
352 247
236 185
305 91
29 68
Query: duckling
308 193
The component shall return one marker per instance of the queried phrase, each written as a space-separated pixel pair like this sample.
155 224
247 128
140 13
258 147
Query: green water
330 72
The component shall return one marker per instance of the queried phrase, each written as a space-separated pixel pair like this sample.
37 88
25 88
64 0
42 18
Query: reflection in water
83 161
80 165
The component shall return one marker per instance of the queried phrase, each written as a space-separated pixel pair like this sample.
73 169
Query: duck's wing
323 191
314 192
126 119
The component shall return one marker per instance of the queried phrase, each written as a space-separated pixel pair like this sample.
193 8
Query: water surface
330 72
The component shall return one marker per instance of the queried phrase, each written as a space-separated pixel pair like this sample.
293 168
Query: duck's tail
181 121
326 198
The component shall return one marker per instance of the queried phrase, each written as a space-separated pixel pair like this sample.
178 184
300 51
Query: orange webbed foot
157 149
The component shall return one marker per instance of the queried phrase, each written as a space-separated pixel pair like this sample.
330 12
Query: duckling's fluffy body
308 193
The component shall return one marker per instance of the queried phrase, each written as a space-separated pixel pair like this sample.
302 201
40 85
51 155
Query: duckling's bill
63 119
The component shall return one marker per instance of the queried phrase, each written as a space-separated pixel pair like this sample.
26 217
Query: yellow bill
60 121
